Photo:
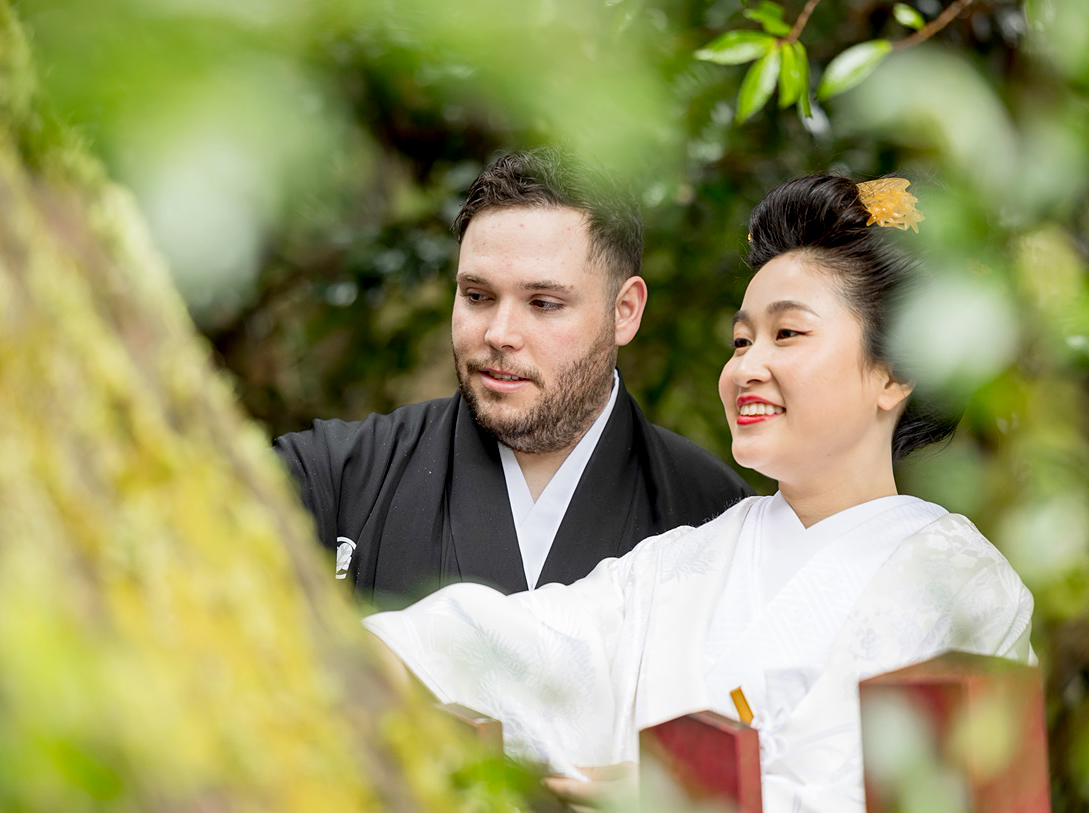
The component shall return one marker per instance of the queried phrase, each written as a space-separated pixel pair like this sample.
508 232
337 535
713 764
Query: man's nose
504 331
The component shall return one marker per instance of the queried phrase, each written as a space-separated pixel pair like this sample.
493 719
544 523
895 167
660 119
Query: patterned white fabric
574 672
775 645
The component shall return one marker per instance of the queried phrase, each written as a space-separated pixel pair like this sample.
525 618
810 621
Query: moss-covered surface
167 641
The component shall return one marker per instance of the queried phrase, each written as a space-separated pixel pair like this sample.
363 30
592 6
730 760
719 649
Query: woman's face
802 402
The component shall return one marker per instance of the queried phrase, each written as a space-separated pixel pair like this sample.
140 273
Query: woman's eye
786 333
739 343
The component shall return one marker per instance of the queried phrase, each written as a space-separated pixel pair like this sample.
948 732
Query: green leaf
770 17
906 15
736 47
758 84
852 66
803 69
790 77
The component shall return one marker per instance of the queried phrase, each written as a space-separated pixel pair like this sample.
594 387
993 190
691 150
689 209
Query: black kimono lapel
603 515
404 549
484 540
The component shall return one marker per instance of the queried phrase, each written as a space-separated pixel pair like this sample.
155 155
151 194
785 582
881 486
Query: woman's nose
751 366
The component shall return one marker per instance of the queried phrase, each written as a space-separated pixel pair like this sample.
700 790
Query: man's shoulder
690 458
410 416
682 446
692 484
337 438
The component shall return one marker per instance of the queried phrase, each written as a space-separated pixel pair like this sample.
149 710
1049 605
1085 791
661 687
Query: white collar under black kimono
537 522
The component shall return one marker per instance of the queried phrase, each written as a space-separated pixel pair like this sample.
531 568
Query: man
542 465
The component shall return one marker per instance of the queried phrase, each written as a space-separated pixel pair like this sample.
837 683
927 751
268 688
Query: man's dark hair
549 177
822 218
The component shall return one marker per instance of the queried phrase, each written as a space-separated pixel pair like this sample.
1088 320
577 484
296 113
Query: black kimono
418 498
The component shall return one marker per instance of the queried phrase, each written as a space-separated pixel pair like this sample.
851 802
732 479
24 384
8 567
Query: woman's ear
894 393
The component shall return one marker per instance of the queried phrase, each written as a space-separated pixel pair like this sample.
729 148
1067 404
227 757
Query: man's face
533 327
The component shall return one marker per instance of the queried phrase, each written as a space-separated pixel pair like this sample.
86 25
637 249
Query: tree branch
936 25
800 23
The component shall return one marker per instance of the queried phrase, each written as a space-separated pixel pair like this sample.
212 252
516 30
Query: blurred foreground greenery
299 163
167 639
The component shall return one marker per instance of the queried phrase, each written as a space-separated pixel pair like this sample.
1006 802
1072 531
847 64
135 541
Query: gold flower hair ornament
890 204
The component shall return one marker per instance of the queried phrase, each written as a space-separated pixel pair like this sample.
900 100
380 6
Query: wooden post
714 761
971 724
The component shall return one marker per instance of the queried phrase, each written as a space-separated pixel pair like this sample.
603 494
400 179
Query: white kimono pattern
574 672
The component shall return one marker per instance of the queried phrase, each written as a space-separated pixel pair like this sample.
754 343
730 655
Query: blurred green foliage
166 640
300 163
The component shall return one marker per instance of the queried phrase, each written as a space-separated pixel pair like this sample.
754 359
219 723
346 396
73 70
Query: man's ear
630 302
894 394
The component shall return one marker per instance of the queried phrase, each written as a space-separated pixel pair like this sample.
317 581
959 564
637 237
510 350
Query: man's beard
563 412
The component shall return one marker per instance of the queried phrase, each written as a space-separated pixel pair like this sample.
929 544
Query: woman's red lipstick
749 420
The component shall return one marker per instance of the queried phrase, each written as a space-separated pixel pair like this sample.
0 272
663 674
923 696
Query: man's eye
545 305
739 343
474 296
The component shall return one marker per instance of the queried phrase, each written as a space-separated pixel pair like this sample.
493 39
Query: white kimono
574 672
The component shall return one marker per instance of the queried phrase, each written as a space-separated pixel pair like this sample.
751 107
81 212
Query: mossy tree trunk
167 641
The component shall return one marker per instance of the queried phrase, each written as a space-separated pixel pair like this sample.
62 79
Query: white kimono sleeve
557 665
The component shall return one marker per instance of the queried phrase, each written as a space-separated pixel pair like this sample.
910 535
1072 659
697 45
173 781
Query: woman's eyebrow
776 307
782 305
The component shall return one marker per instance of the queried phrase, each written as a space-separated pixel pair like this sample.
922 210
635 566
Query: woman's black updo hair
822 218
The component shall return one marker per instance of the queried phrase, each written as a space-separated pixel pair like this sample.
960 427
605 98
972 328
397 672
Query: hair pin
890 204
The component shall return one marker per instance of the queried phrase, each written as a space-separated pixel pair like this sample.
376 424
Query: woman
793 598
